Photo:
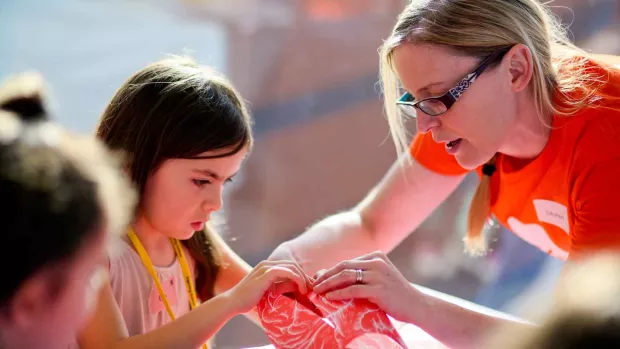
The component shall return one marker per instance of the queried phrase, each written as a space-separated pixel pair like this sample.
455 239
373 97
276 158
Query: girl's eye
229 180
200 182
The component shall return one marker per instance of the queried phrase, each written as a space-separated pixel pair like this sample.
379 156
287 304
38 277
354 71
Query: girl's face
181 195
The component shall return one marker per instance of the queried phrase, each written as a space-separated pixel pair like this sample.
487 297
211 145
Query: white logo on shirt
536 235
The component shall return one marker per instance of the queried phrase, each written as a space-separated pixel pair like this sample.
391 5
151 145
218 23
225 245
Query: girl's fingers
291 264
285 286
282 273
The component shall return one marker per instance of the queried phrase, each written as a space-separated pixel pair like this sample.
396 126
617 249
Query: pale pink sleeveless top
136 294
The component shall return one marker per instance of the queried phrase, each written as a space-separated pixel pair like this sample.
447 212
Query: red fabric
352 324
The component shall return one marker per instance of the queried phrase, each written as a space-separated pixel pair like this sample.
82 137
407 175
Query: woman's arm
448 319
406 195
456 325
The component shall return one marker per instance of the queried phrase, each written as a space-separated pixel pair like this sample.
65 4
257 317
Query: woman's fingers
353 264
344 274
319 273
347 278
355 291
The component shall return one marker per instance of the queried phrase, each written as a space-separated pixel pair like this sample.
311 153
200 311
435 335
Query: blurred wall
309 69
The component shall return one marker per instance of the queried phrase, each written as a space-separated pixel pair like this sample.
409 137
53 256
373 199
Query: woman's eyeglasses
438 105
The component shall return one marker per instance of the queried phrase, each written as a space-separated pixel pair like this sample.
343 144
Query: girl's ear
35 295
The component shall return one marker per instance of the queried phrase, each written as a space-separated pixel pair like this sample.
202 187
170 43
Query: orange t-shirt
565 200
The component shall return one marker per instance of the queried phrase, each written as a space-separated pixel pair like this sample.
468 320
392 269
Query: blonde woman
494 87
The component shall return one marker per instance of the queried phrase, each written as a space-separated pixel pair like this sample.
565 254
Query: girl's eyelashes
200 182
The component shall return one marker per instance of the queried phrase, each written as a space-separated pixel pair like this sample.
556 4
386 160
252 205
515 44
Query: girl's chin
185 235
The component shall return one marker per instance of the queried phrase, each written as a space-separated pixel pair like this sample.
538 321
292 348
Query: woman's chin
470 161
467 163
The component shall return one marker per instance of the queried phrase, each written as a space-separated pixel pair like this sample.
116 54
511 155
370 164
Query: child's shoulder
124 260
121 256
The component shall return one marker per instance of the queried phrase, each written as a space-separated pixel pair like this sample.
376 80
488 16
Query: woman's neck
156 244
530 133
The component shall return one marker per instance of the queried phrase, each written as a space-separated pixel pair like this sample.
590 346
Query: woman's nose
425 122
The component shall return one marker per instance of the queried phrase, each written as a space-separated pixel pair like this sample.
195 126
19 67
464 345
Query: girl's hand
283 276
381 283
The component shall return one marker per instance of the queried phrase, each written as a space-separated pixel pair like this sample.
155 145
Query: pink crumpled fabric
351 324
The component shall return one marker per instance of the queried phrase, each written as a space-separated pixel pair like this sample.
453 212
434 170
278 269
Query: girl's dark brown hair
58 190
175 108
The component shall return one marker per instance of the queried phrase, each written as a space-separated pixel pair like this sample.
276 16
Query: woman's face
479 122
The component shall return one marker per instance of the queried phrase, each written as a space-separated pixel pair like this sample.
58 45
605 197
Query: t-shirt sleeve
596 211
433 156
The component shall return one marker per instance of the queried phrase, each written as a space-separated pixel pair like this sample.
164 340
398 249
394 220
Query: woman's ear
520 66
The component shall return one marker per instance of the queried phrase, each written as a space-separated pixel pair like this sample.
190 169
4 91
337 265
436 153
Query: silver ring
359 277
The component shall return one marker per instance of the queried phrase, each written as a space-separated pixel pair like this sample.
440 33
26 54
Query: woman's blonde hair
478 28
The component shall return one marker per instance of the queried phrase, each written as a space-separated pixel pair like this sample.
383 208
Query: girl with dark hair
185 132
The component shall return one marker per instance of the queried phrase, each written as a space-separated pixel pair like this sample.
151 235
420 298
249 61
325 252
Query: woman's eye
201 182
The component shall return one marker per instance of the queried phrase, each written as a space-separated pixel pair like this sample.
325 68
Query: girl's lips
198 226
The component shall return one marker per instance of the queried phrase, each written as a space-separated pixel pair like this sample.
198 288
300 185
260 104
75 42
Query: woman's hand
283 276
381 283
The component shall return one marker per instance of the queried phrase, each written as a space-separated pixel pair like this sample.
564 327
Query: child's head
186 132
585 312
60 194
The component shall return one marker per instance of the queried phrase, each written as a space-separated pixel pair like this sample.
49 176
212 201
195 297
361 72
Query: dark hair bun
23 95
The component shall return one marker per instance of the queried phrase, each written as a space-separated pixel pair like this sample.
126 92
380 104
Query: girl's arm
234 269
106 328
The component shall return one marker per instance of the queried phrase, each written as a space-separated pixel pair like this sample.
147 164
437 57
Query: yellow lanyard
187 275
